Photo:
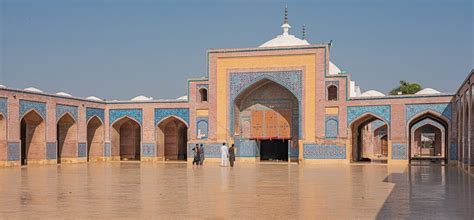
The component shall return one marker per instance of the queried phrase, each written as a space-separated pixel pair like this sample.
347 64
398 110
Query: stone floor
147 190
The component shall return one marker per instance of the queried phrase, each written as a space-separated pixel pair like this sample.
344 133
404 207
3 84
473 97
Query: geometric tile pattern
399 151
332 126
51 150
181 113
453 151
148 149
115 114
3 107
314 151
382 111
202 127
90 112
13 151
414 109
246 148
82 149
62 109
25 106
212 150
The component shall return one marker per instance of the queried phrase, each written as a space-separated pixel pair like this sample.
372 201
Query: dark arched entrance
33 139
126 139
428 139
172 139
267 113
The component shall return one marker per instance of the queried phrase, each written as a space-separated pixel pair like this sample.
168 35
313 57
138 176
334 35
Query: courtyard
263 190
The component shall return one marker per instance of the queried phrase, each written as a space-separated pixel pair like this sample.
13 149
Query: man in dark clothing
201 154
232 155
196 155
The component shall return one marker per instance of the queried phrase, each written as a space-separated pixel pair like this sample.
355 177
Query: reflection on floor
147 190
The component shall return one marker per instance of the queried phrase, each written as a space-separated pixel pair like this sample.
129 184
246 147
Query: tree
406 88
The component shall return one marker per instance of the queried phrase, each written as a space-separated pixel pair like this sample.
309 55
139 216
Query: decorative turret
285 26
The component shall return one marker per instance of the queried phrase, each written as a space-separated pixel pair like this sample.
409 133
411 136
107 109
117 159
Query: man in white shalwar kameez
224 155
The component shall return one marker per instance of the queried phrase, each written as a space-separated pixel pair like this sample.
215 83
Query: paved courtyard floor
133 190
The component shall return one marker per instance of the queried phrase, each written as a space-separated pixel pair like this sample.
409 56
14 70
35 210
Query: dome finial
304 32
285 26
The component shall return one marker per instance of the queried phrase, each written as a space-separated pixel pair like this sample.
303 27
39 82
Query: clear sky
121 49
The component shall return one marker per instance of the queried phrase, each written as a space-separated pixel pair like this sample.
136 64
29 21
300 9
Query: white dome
427 91
183 98
285 40
32 89
94 98
333 69
64 94
2 86
371 93
142 98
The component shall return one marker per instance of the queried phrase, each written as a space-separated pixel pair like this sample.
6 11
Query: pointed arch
33 137
3 137
171 138
361 137
66 135
95 138
126 133
175 117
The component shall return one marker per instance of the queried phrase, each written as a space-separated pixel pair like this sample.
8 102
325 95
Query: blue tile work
90 112
382 111
377 124
200 86
26 105
240 81
399 151
294 151
288 79
425 122
115 114
162 113
314 151
202 127
51 150
82 149
3 107
246 148
332 126
106 149
453 151
62 109
148 150
210 150
13 151
443 109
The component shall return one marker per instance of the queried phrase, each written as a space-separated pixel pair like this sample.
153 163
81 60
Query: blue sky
121 49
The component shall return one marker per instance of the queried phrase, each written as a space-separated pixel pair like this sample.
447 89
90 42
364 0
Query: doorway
274 150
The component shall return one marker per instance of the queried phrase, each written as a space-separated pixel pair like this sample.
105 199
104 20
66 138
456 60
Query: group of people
227 154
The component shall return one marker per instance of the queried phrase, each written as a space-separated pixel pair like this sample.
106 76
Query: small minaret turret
285 26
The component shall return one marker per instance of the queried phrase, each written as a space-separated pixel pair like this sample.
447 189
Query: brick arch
355 147
3 137
33 137
126 135
95 138
171 138
66 135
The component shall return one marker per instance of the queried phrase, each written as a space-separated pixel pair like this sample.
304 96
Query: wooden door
257 125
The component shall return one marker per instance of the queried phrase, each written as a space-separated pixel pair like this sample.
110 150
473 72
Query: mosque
281 101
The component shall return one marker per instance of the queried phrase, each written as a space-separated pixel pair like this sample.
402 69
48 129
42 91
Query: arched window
203 95
332 93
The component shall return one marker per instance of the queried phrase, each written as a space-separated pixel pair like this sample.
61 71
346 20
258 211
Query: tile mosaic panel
332 126
51 150
62 109
202 128
382 111
210 150
13 151
107 150
26 106
453 151
115 114
314 151
162 113
3 107
90 112
246 148
82 149
148 150
414 109
399 151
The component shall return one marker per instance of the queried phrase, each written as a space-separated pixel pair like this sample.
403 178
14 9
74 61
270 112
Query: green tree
406 88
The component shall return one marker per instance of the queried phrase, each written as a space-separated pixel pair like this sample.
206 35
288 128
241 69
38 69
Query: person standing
232 155
224 155
201 154
196 155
